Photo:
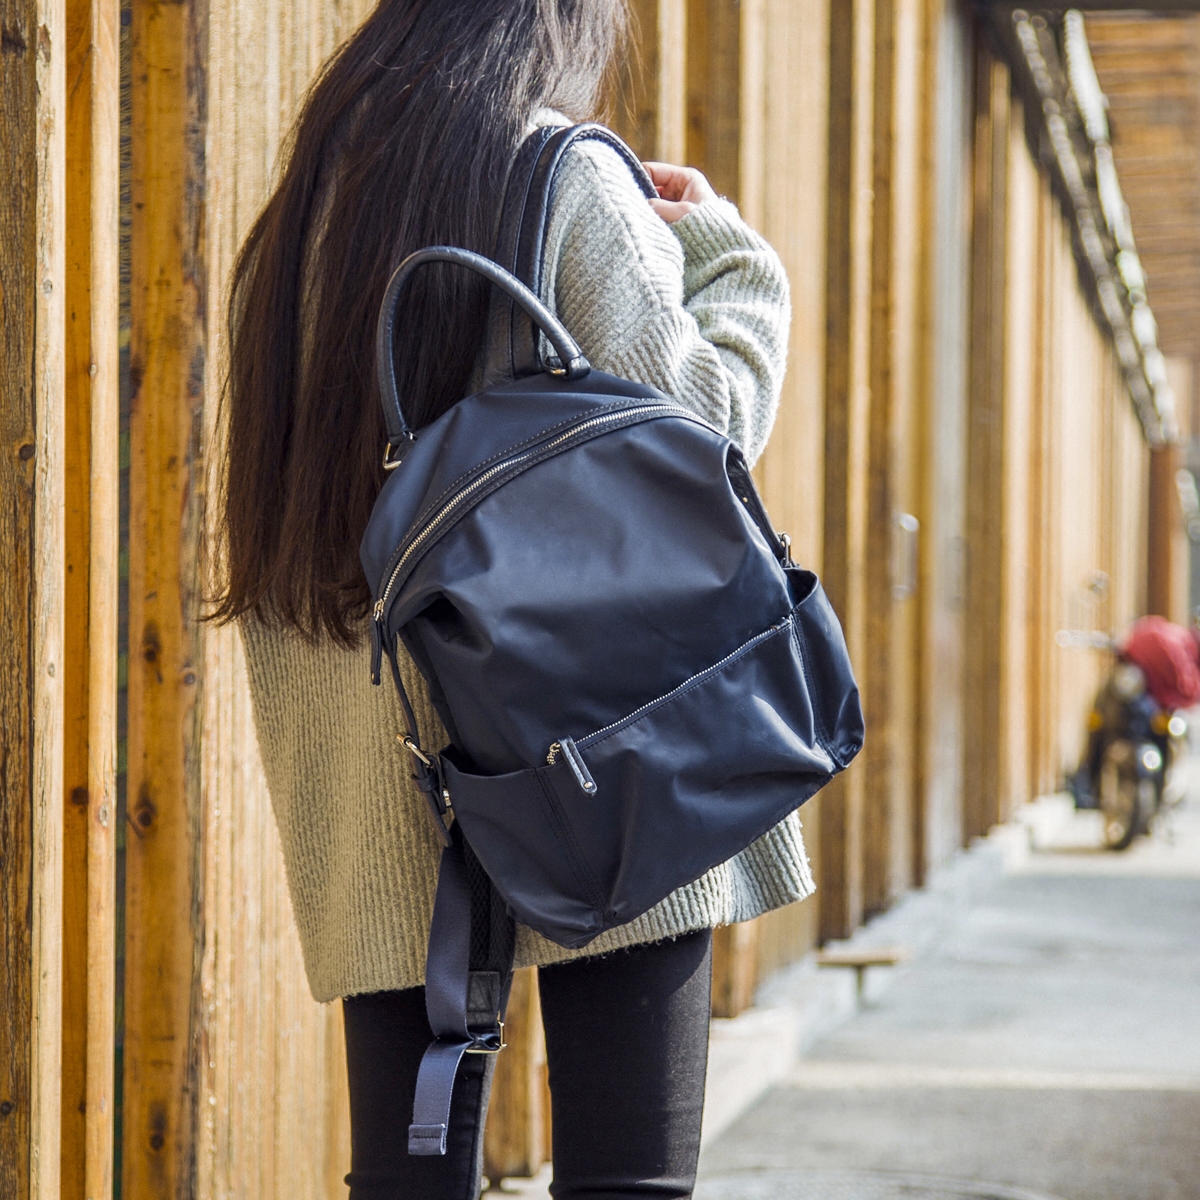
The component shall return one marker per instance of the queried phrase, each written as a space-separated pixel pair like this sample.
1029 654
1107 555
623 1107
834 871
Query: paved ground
1044 1036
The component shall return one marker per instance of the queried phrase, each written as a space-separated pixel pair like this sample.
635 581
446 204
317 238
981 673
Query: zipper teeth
637 712
490 474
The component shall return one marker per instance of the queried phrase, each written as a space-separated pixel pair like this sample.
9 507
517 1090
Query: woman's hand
680 189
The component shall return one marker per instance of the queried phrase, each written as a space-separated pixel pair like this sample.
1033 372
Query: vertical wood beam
164 938
878 666
649 109
517 1131
782 166
942 391
889 667
985 450
1016 481
714 48
103 586
847 407
32 516
47 608
735 968
90 672
1163 547
77 450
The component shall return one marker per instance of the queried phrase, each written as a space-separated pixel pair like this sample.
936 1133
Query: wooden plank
1165 549
90 672
649 109
47 578
878 663
1017 399
103 584
515 1141
714 47
77 532
785 166
167 360
847 400
735 971
938 458
981 767
18 289
271 1071
910 128
32 524
724 100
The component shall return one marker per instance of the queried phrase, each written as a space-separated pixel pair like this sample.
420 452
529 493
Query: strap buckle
490 1042
393 455
432 782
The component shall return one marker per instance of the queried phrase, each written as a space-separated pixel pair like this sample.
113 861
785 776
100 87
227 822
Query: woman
405 141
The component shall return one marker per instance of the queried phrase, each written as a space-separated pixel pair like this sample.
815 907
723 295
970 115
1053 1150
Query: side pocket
837 709
547 777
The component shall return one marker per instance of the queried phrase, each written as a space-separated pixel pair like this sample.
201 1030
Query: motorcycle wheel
1149 802
1120 795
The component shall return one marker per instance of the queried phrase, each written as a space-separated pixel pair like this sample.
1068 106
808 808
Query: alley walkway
1044 1038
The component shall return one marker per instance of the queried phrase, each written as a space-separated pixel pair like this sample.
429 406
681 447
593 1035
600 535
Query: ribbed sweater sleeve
700 309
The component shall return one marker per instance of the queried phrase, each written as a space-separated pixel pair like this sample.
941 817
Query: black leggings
627 1046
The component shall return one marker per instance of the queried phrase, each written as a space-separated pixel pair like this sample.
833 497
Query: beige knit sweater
700 310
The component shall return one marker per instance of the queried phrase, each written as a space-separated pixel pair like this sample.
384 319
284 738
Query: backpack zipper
570 749
482 481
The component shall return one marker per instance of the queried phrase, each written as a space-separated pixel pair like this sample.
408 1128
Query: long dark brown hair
404 141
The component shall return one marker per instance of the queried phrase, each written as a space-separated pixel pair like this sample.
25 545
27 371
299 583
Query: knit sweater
700 310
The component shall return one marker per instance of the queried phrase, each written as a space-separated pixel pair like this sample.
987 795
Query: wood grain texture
783 172
735 970
847 407
271 1074
32 518
47 601
516 1138
714 49
1016 586
77 467
92 417
908 313
634 103
877 669
164 935
18 288
1149 68
940 417
985 445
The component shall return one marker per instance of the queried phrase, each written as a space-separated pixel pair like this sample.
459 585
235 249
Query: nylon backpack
636 679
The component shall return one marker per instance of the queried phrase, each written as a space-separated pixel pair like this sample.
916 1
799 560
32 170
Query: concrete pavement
1045 1036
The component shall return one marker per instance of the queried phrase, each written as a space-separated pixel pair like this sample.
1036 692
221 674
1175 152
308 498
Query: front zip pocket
570 749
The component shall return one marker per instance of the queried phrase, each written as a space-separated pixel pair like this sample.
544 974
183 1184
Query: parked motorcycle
1128 772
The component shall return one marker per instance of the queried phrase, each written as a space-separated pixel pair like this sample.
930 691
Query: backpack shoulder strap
521 237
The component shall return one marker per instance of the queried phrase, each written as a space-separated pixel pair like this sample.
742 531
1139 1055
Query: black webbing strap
468 971
468 967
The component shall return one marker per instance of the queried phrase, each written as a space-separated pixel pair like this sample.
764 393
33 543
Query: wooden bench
859 959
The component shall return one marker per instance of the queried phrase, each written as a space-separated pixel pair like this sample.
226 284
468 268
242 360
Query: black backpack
636 679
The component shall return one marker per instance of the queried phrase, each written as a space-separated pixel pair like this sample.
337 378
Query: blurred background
990 216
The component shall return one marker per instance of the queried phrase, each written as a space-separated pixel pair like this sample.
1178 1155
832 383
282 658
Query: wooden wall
1058 476
954 451
33 100
234 1077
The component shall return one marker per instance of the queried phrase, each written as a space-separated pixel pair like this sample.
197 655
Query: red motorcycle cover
1169 656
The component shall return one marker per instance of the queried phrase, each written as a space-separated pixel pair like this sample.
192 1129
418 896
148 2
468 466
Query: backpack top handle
570 363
